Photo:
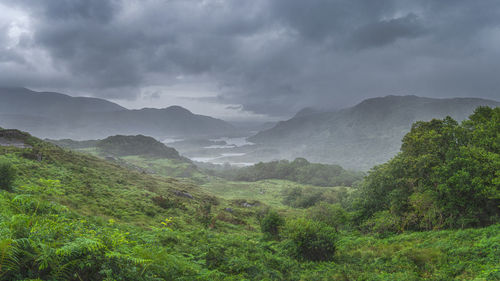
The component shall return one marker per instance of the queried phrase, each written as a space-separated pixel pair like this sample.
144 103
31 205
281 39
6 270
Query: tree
447 175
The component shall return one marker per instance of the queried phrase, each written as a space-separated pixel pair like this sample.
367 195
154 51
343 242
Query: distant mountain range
55 115
361 136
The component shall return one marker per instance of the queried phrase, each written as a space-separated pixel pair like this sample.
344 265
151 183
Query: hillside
25 102
361 136
139 152
70 216
59 116
136 145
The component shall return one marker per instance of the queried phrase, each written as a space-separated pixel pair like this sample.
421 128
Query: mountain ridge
361 136
56 115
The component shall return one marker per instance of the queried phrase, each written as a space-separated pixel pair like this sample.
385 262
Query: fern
9 256
80 247
128 258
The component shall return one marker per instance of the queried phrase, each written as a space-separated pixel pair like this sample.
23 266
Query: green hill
136 145
65 215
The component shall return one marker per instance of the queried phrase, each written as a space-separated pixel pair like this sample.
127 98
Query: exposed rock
230 210
183 194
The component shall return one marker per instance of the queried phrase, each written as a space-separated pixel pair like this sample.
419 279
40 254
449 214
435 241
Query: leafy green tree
447 175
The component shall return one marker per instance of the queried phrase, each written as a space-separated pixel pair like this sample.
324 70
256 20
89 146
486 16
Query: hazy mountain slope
364 135
171 121
136 145
27 102
53 115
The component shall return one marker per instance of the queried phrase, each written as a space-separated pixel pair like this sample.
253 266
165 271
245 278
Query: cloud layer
272 57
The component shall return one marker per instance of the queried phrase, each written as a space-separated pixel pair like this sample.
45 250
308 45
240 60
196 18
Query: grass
268 191
205 240
166 167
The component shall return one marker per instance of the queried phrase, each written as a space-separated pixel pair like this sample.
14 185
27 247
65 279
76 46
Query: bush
382 223
7 175
310 240
301 198
331 214
163 202
271 224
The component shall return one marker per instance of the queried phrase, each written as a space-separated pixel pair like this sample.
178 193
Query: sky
251 60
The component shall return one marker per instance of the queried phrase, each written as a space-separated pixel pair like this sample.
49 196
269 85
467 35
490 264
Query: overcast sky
255 59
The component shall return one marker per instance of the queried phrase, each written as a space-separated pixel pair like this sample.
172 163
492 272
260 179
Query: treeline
300 170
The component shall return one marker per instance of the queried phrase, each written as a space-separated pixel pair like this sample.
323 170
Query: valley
137 208
269 140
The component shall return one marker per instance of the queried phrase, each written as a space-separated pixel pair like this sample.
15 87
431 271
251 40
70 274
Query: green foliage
136 145
299 197
330 214
310 240
299 170
75 217
447 175
271 224
7 175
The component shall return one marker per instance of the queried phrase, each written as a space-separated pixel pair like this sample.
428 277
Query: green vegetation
167 167
299 170
310 240
139 152
431 213
447 175
271 225
330 214
276 193
136 145
7 174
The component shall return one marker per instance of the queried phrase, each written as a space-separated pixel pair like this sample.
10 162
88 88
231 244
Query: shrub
310 240
382 223
271 224
7 175
331 214
301 198
163 202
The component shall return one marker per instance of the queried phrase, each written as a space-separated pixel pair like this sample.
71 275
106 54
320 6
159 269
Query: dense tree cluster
300 170
447 175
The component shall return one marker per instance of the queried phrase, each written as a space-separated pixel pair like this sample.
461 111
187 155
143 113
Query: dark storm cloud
270 56
386 32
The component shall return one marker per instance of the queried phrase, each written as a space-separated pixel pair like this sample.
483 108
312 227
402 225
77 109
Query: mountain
361 136
22 101
54 115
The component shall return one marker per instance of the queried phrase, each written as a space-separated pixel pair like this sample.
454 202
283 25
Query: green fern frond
124 257
79 247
